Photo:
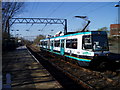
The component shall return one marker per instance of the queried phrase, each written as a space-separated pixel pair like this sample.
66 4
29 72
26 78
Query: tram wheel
102 66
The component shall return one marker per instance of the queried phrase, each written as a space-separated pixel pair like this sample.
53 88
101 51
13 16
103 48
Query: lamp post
118 6
85 18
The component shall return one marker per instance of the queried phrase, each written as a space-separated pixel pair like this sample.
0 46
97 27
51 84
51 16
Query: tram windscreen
95 43
100 43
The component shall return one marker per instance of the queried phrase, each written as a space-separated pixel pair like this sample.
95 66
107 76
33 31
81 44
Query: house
115 30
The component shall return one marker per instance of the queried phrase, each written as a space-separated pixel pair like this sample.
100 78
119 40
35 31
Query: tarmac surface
22 71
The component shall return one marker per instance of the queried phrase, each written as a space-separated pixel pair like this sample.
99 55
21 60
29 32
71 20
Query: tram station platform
22 72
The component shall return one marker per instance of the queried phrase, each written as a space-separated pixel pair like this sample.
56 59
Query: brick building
115 30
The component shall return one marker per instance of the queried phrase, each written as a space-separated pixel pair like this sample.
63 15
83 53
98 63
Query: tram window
57 43
42 43
74 43
68 43
51 43
71 43
87 42
45 43
48 43
100 43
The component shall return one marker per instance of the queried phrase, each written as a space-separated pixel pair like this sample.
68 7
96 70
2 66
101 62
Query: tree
26 42
38 38
103 29
9 10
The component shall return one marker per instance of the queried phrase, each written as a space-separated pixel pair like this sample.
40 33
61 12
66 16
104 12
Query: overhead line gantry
40 21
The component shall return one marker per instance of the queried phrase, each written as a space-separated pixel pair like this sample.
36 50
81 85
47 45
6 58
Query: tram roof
80 33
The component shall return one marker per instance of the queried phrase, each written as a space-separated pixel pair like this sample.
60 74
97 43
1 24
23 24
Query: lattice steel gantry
40 21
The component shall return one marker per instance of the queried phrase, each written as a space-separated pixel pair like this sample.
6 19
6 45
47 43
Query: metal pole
119 28
118 38
65 28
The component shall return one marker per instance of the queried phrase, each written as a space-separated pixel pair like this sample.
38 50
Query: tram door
62 47
51 47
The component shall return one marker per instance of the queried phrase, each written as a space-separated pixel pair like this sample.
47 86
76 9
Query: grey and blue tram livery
82 47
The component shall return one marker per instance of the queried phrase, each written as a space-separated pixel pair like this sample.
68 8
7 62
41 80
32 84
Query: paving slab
25 72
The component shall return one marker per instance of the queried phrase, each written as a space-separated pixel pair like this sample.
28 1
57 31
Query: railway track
87 78
64 80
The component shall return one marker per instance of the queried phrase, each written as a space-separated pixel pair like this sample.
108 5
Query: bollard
8 82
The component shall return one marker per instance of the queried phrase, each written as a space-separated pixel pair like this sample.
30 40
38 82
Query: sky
101 14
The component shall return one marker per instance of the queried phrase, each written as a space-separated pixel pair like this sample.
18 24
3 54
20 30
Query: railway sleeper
93 80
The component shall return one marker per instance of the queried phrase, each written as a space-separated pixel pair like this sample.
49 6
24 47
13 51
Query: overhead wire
34 8
30 26
55 9
43 27
80 8
96 9
30 15
100 7
50 14
69 14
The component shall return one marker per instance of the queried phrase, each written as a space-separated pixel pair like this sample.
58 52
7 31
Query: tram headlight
107 54
96 55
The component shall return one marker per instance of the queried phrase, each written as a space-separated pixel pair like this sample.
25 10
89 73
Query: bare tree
9 10
38 38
